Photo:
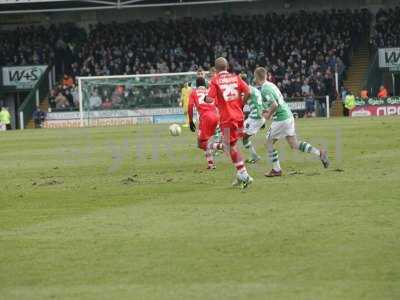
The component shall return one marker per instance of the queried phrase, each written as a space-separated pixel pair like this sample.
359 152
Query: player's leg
216 143
288 130
302 146
273 135
207 128
273 156
210 129
217 134
235 132
186 114
251 127
217 138
208 153
243 178
210 157
308 148
250 148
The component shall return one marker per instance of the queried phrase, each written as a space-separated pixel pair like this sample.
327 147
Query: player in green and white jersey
282 125
253 122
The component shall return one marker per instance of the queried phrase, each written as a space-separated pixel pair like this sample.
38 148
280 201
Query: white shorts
252 126
2 127
281 129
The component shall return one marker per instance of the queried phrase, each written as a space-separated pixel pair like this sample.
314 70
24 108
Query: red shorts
208 125
232 132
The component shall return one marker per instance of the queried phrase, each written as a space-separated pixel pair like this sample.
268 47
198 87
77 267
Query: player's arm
246 111
270 103
212 93
190 107
182 97
244 89
246 97
269 112
190 111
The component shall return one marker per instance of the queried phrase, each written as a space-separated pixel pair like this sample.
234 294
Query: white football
175 130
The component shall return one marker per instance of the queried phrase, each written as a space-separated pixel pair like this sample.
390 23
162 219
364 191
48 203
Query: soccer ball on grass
175 130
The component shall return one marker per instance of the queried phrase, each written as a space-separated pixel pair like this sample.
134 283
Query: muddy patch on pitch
313 174
47 182
130 179
293 173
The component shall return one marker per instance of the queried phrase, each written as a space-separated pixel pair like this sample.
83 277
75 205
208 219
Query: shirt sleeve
213 91
243 86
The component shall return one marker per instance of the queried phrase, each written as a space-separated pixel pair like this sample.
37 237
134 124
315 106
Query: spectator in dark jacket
39 117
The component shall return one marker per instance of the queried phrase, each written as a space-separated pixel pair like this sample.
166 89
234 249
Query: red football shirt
196 99
227 91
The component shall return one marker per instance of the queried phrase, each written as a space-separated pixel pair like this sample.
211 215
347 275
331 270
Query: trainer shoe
273 173
211 167
246 182
253 160
237 182
323 154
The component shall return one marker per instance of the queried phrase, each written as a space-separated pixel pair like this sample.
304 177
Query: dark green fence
37 94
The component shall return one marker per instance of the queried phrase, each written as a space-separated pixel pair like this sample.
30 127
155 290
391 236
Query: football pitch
131 213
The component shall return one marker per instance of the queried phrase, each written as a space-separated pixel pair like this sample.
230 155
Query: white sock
242 174
308 148
276 166
273 156
251 149
253 152
315 151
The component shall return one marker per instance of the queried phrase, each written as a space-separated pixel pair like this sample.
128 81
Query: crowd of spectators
36 45
65 95
119 96
386 34
302 51
107 94
387 28
299 49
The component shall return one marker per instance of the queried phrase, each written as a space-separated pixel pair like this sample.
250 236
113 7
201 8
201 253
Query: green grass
102 214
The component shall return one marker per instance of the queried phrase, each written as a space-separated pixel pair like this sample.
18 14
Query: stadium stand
35 45
295 47
387 28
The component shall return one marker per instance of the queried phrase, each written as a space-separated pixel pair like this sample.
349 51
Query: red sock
237 159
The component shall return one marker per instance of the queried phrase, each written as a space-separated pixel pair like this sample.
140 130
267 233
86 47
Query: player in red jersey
230 93
208 119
